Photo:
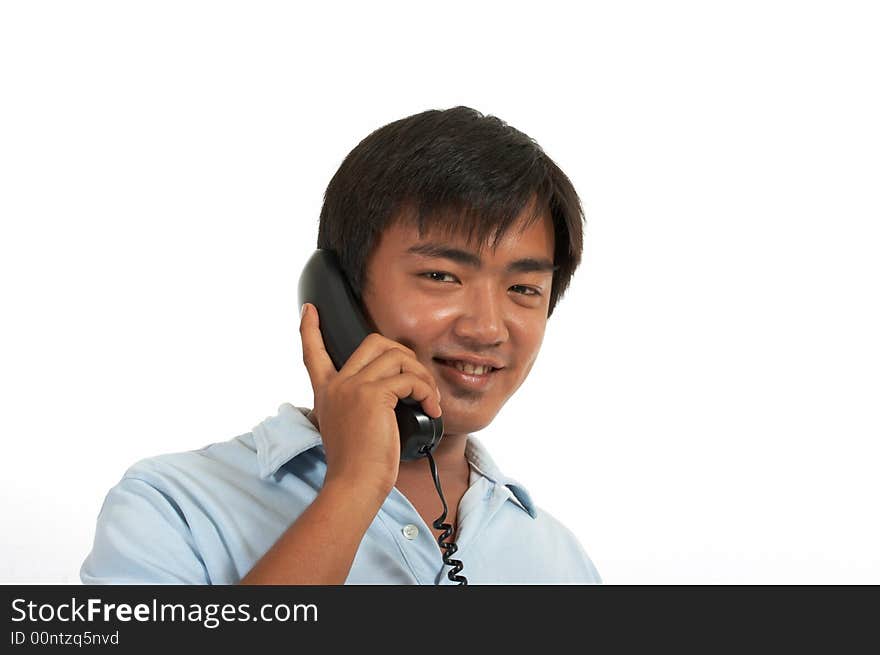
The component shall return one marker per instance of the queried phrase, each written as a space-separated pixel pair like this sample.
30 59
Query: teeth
470 369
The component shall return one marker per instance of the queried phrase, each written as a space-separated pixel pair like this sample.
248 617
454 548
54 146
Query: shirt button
410 531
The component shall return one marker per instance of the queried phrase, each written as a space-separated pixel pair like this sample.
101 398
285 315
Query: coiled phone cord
448 548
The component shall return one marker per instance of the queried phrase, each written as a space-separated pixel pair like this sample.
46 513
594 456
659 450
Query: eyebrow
440 251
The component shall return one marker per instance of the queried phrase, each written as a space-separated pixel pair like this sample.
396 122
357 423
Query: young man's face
484 311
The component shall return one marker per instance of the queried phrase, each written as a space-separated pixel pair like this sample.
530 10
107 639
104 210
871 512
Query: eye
434 275
527 291
438 276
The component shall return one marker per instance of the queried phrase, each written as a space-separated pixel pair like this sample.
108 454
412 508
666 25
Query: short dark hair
455 170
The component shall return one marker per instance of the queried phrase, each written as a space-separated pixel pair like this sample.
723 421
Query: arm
354 410
319 548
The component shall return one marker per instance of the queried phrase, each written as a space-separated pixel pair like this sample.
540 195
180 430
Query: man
458 236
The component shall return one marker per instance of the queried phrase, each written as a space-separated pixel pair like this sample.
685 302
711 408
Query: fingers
315 355
378 363
403 386
371 347
395 362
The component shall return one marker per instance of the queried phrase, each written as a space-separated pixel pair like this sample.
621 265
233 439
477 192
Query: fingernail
302 313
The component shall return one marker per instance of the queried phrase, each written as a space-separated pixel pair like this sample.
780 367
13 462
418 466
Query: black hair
455 170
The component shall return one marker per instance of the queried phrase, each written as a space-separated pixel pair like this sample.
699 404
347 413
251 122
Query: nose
482 320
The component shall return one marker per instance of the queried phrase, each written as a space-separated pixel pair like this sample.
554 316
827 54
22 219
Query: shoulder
147 531
561 547
528 533
199 516
234 457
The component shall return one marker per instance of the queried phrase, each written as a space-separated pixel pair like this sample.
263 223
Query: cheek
530 338
389 315
415 323
413 318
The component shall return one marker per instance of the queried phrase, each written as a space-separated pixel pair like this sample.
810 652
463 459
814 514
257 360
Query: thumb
315 356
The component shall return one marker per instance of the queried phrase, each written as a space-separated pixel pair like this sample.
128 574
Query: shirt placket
412 536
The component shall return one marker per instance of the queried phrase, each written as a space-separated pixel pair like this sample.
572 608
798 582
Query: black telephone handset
344 326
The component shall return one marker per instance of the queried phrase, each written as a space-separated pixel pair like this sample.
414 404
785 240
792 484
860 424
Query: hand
354 407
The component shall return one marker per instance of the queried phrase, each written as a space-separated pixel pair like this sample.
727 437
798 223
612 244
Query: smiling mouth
466 368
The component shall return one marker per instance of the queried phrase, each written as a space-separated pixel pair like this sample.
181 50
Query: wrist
368 494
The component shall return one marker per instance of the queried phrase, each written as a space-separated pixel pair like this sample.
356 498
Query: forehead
521 239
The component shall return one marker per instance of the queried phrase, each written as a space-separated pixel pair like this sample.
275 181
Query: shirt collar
479 458
280 438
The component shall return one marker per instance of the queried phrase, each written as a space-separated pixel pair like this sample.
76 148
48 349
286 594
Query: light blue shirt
207 516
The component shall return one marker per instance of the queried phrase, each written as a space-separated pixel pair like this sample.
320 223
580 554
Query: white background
705 406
